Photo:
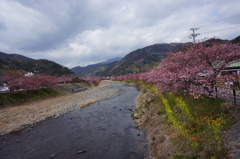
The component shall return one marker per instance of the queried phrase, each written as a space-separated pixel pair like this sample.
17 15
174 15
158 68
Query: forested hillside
17 62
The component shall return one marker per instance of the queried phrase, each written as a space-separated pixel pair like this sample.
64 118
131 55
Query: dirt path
17 117
233 142
103 130
232 137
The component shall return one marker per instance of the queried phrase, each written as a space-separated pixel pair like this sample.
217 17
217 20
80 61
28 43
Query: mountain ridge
10 62
140 60
111 60
137 61
15 56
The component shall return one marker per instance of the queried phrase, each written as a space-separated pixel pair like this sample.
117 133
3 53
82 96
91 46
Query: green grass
18 97
199 123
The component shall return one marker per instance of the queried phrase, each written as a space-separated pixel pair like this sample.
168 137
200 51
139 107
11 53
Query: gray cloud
78 32
2 24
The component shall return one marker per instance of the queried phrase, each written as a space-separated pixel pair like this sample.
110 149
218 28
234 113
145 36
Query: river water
104 130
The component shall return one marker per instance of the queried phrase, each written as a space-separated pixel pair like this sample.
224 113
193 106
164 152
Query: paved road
104 130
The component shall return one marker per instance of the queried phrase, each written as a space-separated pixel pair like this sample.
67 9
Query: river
104 130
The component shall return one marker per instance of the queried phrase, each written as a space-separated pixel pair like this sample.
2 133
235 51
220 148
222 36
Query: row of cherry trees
93 80
195 69
16 81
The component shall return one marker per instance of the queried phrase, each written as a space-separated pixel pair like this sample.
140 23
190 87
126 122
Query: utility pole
193 35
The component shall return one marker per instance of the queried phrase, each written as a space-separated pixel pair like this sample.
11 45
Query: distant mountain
15 56
25 64
236 40
96 69
111 60
140 60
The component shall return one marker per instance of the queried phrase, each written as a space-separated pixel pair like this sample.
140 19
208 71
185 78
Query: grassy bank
189 127
22 96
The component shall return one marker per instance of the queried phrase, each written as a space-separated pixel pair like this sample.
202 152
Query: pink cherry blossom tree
9 76
194 69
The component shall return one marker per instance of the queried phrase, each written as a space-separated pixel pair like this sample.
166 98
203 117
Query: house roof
234 64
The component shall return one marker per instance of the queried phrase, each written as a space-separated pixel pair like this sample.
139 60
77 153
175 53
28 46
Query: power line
234 18
185 39
223 29
221 26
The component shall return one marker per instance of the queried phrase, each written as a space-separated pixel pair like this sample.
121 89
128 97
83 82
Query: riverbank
179 126
16 117
158 135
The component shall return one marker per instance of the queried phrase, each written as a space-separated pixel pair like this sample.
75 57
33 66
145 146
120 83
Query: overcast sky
82 32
